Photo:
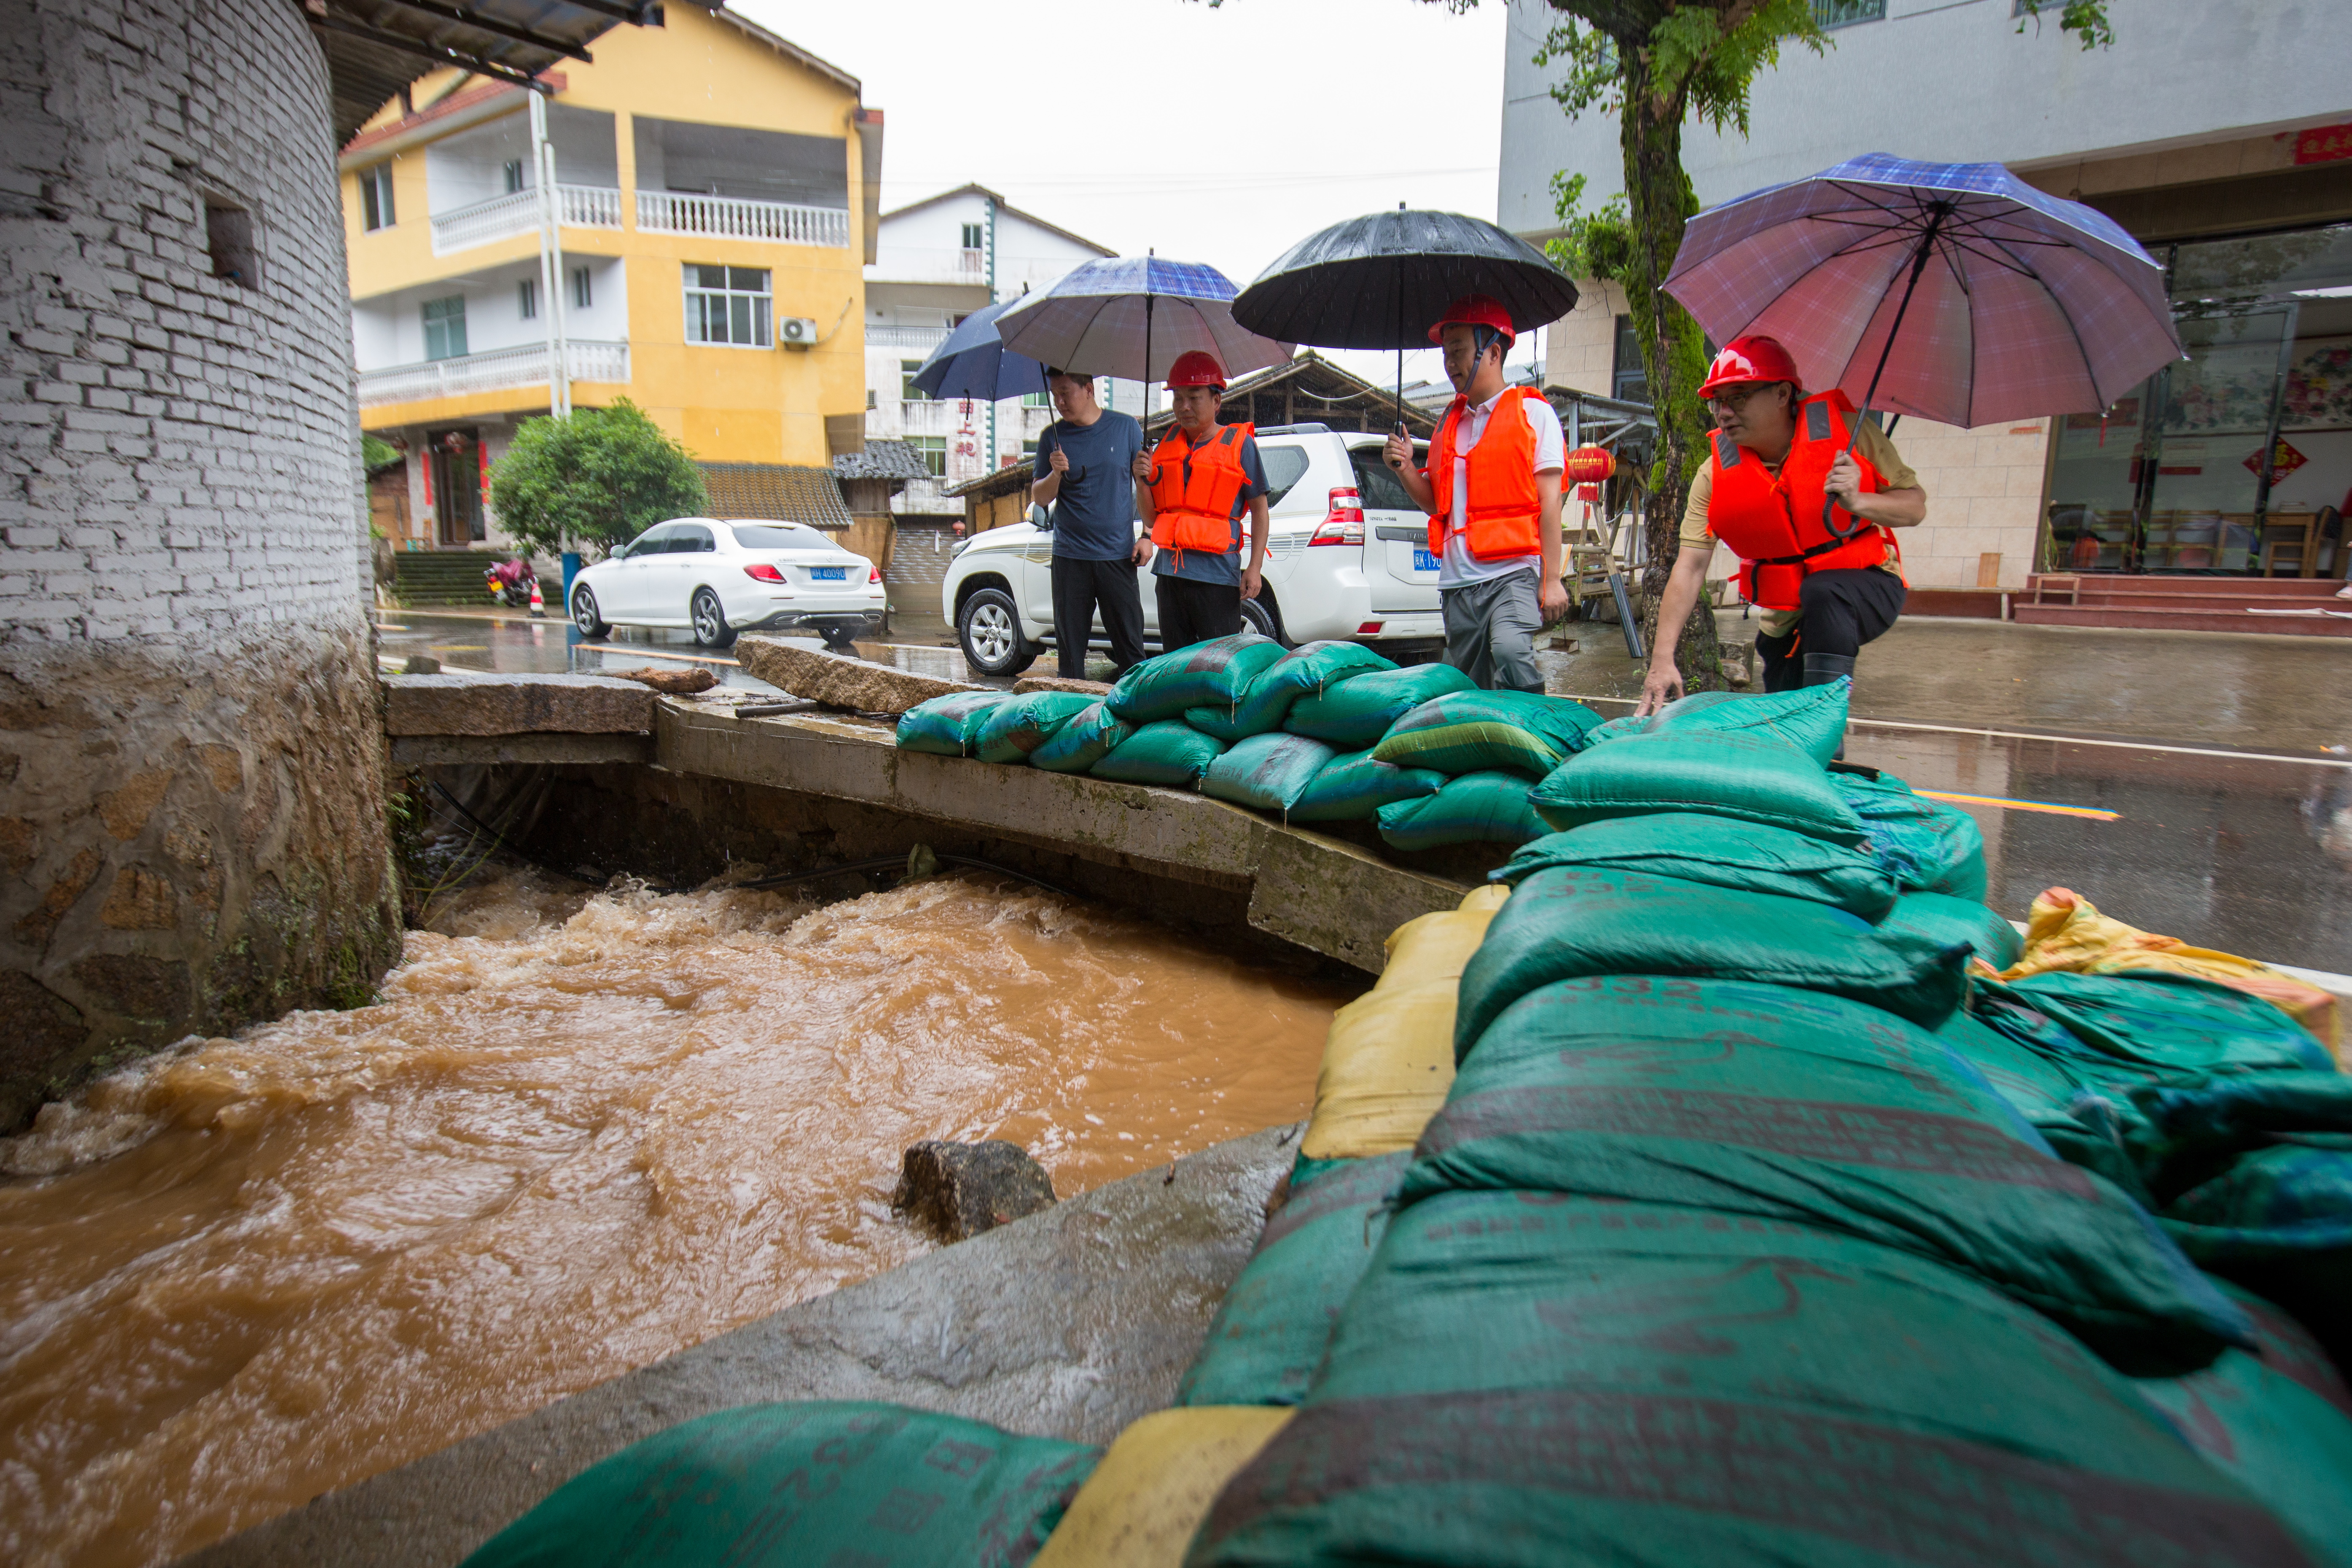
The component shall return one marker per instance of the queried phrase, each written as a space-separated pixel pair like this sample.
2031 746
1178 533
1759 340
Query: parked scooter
511 583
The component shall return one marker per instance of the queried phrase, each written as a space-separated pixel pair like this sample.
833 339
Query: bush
594 480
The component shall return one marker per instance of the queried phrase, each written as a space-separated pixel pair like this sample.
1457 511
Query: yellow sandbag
2065 932
1437 946
1142 1504
1387 1064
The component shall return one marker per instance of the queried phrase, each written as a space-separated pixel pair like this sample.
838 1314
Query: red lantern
1591 465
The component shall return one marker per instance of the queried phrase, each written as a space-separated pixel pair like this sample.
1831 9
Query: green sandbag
1721 776
1926 845
1945 918
1170 752
1013 730
1358 711
1811 718
1085 740
1353 788
1572 922
2277 1420
1476 808
948 726
1307 670
1211 674
1479 732
796 1485
1720 851
1529 1380
2074 1116
1760 1100
2279 1222
1269 1334
1269 772
2167 1023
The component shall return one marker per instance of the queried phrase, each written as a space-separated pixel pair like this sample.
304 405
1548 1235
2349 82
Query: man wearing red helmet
1492 494
1192 492
1806 494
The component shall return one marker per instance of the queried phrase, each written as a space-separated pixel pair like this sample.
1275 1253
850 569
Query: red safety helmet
1475 310
1196 367
1751 358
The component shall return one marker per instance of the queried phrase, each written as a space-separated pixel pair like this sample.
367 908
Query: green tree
591 481
1658 65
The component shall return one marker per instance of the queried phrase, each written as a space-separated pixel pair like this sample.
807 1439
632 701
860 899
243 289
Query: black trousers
1193 612
1837 612
1080 587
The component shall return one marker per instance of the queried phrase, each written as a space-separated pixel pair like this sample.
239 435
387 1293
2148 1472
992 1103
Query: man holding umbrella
1084 470
1827 578
1492 493
1193 492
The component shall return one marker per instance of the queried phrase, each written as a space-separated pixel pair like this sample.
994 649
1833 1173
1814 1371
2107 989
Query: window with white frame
583 293
974 236
933 450
908 391
527 299
728 305
375 196
445 328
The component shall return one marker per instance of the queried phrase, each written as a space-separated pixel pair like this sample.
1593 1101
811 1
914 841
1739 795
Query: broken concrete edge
1308 889
841 681
546 747
473 704
1070 1323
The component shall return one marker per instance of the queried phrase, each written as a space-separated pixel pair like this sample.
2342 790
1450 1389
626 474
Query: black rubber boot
1820 668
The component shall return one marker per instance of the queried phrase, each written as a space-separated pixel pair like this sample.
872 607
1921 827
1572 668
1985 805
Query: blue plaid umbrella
1132 316
1951 291
974 363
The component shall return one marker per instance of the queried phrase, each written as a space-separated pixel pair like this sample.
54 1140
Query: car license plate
1423 560
827 574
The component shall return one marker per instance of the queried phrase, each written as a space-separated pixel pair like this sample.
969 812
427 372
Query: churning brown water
575 1136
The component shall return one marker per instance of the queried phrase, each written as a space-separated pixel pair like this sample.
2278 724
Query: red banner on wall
2323 144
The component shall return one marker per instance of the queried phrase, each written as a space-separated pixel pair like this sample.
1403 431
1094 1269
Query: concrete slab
453 704
432 751
1070 1323
839 680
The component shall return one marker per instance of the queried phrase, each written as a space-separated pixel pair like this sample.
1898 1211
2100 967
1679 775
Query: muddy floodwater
577 1134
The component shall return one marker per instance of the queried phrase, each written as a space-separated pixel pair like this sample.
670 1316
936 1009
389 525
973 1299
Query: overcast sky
1223 135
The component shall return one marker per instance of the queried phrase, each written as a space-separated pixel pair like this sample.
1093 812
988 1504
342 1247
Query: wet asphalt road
2228 759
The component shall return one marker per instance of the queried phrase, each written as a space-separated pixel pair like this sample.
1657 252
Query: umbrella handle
1936 216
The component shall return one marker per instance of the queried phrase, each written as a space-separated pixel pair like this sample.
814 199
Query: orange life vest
1773 522
1503 515
1194 489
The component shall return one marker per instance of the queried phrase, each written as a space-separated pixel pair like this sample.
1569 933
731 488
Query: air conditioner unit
795 331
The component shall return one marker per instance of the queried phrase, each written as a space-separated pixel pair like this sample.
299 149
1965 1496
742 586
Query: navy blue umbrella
974 363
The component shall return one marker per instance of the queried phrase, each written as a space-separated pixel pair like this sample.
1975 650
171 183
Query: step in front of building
442 576
2314 622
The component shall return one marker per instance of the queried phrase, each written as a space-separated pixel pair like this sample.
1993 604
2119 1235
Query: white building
936 262
2219 136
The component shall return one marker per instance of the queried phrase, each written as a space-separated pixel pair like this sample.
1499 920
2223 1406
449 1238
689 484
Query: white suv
1349 558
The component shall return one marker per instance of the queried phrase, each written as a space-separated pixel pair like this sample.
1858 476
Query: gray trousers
1490 631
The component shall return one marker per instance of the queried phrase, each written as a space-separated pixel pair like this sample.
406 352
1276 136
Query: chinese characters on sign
2323 144
2284 461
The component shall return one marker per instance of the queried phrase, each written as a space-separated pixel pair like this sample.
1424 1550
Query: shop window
445 328
728 305
933 450
375 197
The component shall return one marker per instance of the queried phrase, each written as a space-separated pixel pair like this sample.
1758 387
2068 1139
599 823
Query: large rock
838 681
961 1190
452 704
671 682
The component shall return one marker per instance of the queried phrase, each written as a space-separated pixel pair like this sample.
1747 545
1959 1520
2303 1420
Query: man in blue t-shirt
1085 468
1194 489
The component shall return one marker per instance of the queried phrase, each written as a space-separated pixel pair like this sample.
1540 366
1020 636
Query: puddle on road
577 1134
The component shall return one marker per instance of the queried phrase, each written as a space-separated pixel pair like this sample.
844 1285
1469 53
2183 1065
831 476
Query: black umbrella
1377 281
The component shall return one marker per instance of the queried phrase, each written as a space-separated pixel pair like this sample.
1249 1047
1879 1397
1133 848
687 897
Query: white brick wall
178 452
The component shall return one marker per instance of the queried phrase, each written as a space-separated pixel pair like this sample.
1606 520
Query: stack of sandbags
1330 731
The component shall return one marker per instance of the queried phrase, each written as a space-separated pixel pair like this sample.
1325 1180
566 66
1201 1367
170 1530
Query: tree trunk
1659 201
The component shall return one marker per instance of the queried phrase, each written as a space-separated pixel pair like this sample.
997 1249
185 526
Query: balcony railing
577 207
731 217
923 338
494 370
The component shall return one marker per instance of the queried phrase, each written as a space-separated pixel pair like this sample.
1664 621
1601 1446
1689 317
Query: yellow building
717 190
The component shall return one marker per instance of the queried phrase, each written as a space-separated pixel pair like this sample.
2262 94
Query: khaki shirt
1871 445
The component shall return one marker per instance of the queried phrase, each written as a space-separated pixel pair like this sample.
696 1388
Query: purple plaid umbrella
1951 291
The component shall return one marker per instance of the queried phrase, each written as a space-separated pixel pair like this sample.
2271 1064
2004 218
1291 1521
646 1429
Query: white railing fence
889 337
494 370
578 206
732 217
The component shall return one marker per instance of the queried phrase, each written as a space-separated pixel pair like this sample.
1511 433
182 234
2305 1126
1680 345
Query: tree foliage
377 454
594 480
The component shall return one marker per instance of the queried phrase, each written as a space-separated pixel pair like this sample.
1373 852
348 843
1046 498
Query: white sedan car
719 578
1348 558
